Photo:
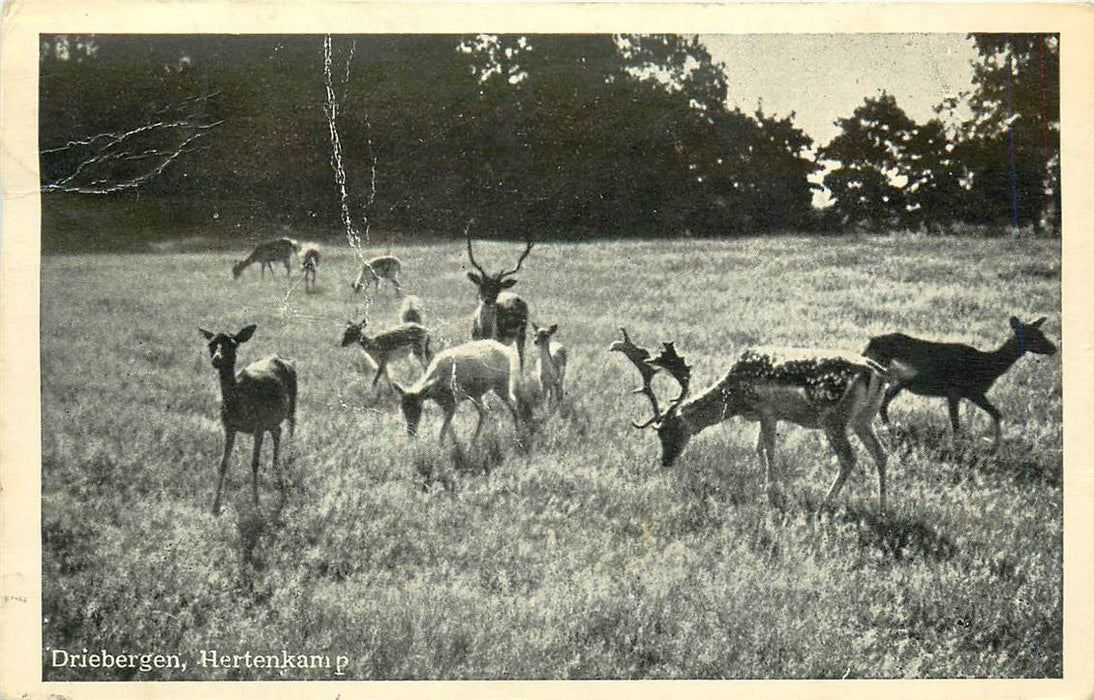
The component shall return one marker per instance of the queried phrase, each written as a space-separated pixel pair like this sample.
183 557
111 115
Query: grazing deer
551 366
385 267
267 253
822 390
411 310
389 345
310 264
953 370
255 400
500 315
464 372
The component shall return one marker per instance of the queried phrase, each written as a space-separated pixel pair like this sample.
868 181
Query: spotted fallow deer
821 390
256 400
389 345
551 364
501 315
953 370
384 267
278 250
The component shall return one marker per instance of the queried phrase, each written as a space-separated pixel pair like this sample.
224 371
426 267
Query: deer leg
381 369
449 409
837 437
996 417
954 405
288 268
765 447
478 425
254 464
890 394
229 442
869 439
275 435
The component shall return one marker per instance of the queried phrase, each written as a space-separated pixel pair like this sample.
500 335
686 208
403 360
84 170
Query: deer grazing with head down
953 370
821 390
465 372
278 250
551 364
501 315
256 400
384 267
389 345
309 262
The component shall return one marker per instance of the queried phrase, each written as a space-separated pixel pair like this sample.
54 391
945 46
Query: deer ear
1015 323
534 326
1038 322
399 388
553 329
506 284
207 334
475 277
244 335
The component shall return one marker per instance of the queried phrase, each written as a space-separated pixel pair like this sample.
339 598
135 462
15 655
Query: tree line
143 137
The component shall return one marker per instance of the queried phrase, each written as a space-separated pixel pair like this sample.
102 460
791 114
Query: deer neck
227 383
1006 355
716 404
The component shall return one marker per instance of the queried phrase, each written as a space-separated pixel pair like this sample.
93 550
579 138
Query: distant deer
953 370
310 264
389 345
267 253
464 372
411 310
551 366
500 315
821 390
385 267
255 400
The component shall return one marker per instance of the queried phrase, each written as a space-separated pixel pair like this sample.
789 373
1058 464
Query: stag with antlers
821 390
501 315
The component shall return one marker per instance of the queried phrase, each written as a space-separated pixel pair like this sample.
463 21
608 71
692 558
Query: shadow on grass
1014 461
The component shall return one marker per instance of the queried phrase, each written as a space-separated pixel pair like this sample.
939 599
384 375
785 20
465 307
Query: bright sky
825 76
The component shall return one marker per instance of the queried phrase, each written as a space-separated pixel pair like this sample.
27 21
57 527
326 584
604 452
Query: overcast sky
825 76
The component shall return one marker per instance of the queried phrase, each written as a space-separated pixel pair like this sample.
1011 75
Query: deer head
671 429
353 332
222 346
1031 338
490 286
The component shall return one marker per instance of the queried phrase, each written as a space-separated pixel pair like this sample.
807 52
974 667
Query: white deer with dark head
501 315
822 390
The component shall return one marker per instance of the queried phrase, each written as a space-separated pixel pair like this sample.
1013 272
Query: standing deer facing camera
953 370
278 250
255 400
551 363
501 315
309 261
821 390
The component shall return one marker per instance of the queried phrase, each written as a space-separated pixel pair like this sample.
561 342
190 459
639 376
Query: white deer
551 365
267 253
464 372
822 390
385 267
389 345
254 401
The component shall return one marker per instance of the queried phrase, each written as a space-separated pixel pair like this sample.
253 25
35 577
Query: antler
680 370
639 356
519 262
471 255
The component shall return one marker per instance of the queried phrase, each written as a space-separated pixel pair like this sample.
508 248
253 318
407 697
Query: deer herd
832 391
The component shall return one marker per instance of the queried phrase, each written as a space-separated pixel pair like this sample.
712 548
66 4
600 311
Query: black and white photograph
511 352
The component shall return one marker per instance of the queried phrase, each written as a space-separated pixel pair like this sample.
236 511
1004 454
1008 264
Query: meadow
572 554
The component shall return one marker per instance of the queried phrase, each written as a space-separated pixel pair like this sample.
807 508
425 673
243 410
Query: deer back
262 395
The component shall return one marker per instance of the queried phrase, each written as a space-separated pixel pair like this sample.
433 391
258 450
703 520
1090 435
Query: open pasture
572 555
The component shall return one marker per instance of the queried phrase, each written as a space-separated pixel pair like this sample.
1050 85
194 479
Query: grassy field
573 555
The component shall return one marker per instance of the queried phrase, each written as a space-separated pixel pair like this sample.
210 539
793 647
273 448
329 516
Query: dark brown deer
267 253
501 315
821 390
953 370
254 401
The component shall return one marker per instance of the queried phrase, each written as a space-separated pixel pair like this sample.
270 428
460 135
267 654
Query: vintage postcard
539 349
